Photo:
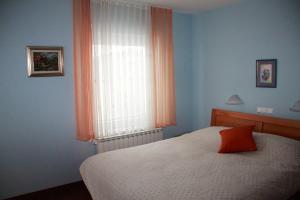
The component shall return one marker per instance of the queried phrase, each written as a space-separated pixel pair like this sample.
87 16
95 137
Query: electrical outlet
259 109
264 110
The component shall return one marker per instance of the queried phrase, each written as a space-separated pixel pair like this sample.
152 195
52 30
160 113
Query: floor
73 191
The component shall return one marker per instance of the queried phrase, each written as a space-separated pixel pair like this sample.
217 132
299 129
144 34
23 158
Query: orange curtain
82 36
164 83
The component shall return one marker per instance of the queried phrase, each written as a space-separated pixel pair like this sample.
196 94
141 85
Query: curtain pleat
163 67
82 37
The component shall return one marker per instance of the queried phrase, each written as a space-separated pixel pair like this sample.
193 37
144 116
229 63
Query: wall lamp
234 100
296 107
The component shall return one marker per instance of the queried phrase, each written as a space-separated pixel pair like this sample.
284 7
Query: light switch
269 110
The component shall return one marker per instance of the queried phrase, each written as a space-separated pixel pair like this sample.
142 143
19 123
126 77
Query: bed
189 168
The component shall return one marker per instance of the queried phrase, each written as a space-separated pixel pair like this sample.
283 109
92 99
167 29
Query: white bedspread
189 168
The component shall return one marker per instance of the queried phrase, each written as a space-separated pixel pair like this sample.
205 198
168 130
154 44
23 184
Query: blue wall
226 44
38 148
182 33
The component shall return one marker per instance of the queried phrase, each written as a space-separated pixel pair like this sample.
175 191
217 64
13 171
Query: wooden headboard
277 126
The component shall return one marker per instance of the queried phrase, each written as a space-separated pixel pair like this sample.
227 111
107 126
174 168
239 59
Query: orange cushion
237 139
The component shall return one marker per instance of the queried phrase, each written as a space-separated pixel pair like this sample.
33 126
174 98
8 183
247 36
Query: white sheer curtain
122 73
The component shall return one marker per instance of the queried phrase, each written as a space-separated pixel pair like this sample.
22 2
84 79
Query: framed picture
266 73
45 61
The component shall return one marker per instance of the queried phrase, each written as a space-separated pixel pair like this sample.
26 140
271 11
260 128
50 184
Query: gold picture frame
45 61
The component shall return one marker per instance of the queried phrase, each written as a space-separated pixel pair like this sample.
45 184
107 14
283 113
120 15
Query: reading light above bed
234 100
296 107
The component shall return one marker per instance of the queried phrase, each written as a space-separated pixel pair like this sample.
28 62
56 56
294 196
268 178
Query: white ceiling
190 6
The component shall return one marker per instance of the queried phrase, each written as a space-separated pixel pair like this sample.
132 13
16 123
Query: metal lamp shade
234 100
296 107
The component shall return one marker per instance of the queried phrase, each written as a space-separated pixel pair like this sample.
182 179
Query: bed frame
277 126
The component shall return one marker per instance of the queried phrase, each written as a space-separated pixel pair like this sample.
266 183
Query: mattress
189 168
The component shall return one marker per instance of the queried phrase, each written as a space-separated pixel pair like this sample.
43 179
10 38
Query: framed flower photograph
266 73
45 61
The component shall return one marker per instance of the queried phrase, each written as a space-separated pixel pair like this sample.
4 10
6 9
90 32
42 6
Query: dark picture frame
45 61
266 73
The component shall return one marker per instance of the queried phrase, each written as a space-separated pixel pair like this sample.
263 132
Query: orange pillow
237 139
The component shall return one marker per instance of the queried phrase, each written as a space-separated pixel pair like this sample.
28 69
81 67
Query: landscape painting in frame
266 73
45 61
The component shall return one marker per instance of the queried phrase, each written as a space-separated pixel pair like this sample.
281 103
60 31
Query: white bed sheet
189 168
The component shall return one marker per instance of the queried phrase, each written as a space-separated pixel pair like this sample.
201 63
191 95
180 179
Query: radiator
124 141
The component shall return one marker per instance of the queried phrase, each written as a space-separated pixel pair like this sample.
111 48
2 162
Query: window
122 72
123 68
